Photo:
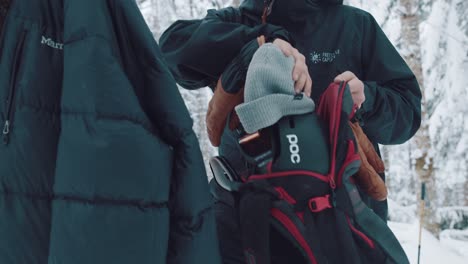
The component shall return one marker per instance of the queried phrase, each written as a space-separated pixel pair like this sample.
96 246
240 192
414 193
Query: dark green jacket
99 162
333 37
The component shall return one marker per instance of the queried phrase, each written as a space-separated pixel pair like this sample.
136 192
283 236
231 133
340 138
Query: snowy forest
432 36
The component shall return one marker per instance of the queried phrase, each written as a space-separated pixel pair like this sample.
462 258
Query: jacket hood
289 8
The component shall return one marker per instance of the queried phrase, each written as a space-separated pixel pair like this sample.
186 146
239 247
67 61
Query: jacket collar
287 7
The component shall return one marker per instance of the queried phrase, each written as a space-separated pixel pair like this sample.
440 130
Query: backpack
301 194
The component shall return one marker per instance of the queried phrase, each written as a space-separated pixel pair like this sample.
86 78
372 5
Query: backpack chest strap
318 204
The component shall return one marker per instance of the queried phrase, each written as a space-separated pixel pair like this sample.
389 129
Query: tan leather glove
367 178
221 105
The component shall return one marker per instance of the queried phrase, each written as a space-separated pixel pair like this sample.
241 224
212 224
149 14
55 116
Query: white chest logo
324 57
294 149
53 44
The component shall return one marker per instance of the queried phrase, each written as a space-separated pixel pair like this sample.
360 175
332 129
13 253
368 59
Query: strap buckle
318 204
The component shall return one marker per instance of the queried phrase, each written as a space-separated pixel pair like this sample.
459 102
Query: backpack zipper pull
6 132
332 183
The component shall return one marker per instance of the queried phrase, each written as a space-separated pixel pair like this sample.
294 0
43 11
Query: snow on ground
433 251
457 240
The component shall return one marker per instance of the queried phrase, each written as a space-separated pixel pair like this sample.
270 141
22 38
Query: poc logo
294 149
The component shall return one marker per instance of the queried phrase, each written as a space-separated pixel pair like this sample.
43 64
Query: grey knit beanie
269 90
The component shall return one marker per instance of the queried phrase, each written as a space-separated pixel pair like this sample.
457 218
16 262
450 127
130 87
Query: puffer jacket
98 162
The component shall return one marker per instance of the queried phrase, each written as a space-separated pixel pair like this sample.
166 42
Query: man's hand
356 86
300 73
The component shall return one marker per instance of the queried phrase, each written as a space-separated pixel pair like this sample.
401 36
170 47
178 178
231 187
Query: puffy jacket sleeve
392 111
198 51
192 230
192 234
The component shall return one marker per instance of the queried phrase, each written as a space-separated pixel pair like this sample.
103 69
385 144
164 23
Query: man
332 42
98 162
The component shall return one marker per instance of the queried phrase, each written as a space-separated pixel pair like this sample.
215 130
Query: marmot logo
294 149
49 42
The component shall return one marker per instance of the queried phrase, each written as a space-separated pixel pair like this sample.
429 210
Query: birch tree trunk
465 190
424 168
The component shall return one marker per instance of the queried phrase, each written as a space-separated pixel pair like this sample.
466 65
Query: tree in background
446 95
443 48
424 167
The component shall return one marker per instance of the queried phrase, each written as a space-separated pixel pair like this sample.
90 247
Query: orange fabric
221 105
261 40
367 178
368 149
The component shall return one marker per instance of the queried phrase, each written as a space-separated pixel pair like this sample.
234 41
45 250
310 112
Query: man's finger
308 87
358 98
298 70
287 51
345 77
300 84
356 86
298 56
285 47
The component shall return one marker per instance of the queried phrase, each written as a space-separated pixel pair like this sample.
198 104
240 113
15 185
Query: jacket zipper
12 91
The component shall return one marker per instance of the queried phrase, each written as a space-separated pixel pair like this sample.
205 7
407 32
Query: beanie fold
266 111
